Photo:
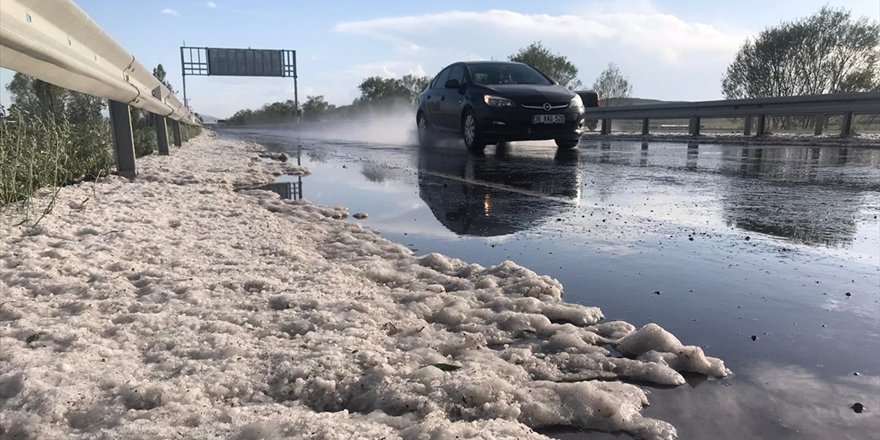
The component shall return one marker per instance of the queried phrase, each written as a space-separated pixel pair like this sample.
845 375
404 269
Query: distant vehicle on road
487 102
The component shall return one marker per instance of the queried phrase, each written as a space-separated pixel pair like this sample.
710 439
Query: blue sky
675 50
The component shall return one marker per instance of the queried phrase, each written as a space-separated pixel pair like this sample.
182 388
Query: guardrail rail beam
847 104
57 42
123 140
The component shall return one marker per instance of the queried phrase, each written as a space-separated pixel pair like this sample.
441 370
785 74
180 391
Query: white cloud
660 36
385 69
212 5
665 56
169 11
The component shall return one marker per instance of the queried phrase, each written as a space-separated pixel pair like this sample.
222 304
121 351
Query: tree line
377 93
827 52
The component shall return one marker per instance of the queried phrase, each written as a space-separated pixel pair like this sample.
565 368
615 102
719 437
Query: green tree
241 117
59 136
159 73
37 98
827 52
276 112
414 84
82 108
556 66
378 90
611 85
315 107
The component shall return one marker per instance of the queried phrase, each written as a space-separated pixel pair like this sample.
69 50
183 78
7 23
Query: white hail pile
173 306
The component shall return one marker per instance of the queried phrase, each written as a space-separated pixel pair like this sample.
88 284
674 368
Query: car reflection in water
498 194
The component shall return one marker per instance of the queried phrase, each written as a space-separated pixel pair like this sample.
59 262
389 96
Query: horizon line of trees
827 52
378 93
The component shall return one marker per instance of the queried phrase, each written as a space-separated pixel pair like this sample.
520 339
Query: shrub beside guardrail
43 152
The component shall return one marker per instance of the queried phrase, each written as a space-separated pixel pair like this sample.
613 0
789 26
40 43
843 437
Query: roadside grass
188 132
43 152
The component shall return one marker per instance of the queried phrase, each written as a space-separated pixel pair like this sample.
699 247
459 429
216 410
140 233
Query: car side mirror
453 84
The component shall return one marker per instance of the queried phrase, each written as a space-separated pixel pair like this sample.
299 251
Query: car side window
467 75
456 73
440 81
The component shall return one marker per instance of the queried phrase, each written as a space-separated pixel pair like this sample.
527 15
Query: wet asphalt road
768 257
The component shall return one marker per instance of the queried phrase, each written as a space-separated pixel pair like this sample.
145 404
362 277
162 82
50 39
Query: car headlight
497 101
577 102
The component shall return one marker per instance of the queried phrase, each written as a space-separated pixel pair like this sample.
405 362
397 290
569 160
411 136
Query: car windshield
494 74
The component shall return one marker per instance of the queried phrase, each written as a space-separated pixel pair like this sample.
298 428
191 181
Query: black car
487 102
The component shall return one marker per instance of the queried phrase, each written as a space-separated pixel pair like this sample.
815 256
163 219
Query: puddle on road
287 186
749 252
287 189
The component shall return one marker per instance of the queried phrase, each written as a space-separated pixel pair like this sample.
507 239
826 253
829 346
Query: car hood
532 94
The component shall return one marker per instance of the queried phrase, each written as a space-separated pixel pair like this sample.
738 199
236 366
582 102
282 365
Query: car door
450 102
434 97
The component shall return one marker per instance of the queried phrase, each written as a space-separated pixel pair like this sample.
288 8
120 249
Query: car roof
471 63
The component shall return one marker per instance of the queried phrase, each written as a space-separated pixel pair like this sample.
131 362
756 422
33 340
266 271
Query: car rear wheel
567 144
426 134
470 132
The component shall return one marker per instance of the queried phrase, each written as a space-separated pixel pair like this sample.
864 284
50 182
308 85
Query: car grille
541 106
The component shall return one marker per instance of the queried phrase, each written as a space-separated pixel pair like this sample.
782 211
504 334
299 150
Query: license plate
548 119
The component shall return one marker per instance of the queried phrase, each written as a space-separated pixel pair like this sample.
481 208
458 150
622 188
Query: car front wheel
567 144
470 132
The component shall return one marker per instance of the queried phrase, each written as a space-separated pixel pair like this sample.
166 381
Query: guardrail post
175 131
820 124
606 126
161 134
846 126
760 130
747 126
645 126
694 126
123 141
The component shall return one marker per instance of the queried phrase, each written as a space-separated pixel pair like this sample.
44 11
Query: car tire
470 131
427 137
567 144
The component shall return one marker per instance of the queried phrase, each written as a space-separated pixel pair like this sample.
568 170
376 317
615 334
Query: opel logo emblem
547 106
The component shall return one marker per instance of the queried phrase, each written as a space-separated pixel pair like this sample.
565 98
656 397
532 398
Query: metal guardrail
846 104
55 41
